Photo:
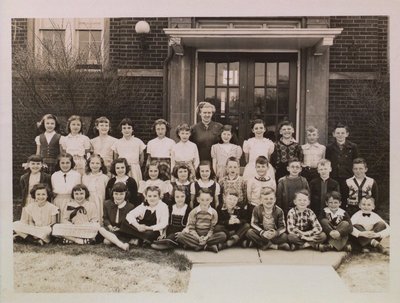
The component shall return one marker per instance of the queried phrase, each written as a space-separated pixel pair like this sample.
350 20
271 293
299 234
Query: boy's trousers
192 241
260 241
295 239
344 228
379 226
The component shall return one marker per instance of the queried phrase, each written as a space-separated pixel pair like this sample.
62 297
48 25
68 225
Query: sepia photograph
179 155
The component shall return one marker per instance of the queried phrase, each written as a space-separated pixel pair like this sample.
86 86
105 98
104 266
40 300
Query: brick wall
362 46
125 51
362 104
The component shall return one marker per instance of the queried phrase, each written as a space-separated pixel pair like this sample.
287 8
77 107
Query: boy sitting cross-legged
368 227
336 224
303 227
268 228
199 231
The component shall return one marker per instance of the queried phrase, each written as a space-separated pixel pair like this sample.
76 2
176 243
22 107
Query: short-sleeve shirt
258 147
75 145
41 215
160 148
130 149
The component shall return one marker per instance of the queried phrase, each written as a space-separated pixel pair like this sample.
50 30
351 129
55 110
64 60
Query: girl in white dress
160 149
96 181
80 222
130 148
103 142
225 149
257 146
185 151
75 143
37 217
63 180
153 179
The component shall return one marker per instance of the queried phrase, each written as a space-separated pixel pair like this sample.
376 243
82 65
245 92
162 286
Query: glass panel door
248 86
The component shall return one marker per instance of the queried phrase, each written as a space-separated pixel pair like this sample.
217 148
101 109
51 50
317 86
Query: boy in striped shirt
199 231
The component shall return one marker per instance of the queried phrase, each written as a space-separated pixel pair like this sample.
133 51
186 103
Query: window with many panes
82 38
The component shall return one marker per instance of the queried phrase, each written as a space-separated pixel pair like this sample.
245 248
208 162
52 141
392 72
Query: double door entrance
248 86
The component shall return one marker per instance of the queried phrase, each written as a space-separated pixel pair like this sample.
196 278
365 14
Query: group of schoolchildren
290 196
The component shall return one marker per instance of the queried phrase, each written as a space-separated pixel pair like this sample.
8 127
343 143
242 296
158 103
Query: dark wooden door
248 86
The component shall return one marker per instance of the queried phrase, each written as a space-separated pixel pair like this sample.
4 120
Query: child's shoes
348 248
213 248
293 247
382 250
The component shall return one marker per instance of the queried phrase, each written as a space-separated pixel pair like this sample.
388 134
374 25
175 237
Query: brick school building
311 70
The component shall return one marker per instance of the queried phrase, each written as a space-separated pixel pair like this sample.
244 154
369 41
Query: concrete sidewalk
270 257
238 271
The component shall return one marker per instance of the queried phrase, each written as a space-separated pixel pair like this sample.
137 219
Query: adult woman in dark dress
206 132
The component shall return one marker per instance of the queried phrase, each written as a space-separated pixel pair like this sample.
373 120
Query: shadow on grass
170 258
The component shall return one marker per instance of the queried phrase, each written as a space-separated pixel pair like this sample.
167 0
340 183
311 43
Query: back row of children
164 157
163 154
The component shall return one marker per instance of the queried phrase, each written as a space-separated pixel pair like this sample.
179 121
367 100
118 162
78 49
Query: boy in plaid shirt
302 224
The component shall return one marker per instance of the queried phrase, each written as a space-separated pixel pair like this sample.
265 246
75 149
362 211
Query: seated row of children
154 224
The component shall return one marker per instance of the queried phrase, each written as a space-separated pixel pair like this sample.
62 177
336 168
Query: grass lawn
366 272
98 268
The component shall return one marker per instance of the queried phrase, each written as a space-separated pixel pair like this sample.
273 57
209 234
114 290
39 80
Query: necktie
366 215
117 216
65 178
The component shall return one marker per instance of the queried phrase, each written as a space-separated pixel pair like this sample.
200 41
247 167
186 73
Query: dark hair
360 161
284 123
40 124
233 159
152 188
294 159
341 125
204 191
253 123
38 186
334 195
205 162
161 122
103 168
303 192
178 188
262 160
98 121
152 163
228 128
73 118
80 187
181 127
124 122
120 160
119 187
33 158
256 121
178 167
65 155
